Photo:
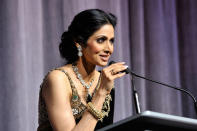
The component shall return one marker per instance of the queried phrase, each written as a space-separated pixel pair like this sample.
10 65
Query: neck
87 70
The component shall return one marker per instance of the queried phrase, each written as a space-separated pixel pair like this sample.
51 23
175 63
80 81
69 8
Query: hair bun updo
67 47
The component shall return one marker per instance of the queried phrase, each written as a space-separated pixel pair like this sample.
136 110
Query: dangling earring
79 51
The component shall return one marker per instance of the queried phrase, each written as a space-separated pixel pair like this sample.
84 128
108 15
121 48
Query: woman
76 96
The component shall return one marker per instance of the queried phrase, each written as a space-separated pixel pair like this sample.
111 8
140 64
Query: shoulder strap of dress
69 78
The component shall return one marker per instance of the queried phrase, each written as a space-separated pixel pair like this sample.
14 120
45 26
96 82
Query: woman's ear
77 44
79 48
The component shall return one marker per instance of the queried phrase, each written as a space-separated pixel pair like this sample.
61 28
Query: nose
108 47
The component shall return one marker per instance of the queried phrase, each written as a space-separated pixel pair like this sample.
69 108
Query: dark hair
81 28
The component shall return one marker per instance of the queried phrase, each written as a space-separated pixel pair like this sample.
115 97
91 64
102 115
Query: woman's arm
56 93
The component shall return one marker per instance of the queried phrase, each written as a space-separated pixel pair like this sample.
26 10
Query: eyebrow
100 36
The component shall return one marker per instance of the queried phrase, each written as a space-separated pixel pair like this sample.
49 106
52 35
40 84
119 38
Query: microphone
135 94
128 71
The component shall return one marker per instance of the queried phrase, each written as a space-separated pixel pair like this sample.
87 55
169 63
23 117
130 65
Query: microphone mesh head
111 62
126 70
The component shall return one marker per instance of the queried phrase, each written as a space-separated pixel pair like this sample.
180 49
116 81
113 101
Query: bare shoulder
58 76
56 82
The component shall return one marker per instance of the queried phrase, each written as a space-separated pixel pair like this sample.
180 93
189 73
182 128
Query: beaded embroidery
77 106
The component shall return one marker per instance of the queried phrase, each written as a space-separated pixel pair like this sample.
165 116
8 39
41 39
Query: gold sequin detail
77 106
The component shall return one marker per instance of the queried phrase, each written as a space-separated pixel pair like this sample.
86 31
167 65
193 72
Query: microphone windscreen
126 70
111 62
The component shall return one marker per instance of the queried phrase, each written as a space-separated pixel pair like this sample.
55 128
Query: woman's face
100 46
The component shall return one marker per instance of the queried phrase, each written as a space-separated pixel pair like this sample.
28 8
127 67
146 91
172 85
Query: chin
103 63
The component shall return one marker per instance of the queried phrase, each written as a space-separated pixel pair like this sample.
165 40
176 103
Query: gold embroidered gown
77 106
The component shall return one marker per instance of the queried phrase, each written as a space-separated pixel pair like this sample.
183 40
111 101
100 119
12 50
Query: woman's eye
101 40
112 41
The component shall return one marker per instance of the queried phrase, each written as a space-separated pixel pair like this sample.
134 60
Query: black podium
153 121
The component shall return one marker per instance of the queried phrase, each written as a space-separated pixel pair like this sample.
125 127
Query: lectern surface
153 121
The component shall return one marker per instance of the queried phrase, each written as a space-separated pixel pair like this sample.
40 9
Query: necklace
88 97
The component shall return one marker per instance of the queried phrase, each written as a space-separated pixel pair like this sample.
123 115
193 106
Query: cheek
95 48
112 49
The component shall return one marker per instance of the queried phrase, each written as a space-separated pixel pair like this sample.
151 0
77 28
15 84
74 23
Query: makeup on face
100 45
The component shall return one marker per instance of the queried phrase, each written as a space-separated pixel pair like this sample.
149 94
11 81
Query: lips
104 58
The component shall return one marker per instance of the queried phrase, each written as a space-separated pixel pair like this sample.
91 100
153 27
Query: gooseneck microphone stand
135 96
166 85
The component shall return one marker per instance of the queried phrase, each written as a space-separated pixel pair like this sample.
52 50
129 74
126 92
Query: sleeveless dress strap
69 78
